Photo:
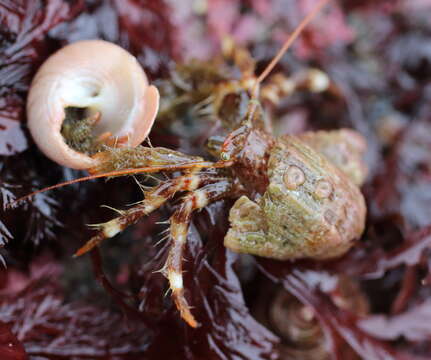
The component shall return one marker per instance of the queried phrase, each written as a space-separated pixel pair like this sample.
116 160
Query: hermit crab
296 196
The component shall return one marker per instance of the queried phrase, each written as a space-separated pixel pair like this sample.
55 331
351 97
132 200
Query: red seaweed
112 305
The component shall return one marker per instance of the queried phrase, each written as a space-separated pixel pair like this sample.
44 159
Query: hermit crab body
296 196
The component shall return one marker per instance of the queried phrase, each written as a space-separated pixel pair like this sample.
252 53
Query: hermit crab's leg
240 56
154 198
280 86
236 137
114 159
179 225
190 166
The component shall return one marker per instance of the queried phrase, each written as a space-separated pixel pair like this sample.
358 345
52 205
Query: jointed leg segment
179 223
203 188
154 198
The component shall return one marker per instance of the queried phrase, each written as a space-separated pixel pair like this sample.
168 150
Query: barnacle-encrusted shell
345 148
96 76
318 218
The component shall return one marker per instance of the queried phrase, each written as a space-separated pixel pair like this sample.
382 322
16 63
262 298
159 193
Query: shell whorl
97 76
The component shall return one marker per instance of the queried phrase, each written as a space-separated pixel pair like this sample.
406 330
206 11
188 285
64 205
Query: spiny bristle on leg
154 198
180 221
164 238
118 211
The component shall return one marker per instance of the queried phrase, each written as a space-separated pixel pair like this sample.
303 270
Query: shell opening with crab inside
87 94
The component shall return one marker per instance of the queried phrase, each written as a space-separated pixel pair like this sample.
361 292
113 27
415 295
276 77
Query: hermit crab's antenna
286 46
228 145
148 169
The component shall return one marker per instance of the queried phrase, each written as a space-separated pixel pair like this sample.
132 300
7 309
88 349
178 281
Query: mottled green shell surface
345 148
311 209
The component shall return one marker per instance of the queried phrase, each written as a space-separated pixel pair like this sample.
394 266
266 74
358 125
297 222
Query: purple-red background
378 53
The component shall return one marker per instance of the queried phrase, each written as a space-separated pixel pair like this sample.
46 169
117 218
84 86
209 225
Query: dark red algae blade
23 30
378 55
227 330
50 328
414 324
311 287
10 347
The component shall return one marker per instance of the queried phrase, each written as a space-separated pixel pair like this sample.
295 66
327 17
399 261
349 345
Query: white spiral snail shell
99 77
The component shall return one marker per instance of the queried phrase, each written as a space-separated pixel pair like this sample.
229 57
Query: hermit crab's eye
87 94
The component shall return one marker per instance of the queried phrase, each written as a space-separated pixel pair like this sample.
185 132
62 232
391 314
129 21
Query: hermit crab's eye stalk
87 95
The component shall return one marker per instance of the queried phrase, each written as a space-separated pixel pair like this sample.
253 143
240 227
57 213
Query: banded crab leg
179 226
153 199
